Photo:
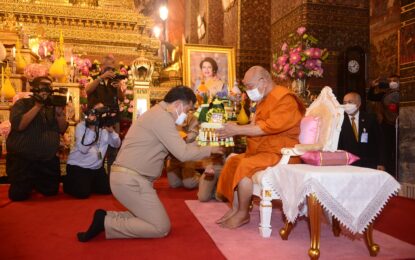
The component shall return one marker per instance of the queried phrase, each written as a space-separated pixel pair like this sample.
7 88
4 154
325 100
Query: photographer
36 125
85 170
106 89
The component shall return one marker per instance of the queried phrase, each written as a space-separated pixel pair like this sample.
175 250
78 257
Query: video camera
56 98
117 76
105 116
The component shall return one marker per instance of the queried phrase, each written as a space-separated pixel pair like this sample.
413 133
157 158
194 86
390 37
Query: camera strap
96 136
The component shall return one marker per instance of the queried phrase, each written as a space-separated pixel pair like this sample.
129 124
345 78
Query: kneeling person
85 171
139 163
33 142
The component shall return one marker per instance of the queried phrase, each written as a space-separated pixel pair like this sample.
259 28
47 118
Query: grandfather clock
353 71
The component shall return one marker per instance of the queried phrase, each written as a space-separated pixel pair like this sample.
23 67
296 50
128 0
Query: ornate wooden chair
268 186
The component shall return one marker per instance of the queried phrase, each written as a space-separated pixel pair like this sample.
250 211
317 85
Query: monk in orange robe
276 125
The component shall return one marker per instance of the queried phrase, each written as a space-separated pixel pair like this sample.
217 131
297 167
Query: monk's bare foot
237 220
227 215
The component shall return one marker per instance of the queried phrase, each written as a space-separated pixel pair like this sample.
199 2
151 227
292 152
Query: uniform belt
121 169
117 168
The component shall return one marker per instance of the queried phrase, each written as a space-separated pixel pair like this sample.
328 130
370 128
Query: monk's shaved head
254 74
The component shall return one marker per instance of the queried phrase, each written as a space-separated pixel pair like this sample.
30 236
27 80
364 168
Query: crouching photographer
85 171
105 88
36 125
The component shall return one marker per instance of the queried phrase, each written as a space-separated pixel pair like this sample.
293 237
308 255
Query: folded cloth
319 158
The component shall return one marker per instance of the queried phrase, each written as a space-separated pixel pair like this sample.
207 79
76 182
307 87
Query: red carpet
246 243
45 228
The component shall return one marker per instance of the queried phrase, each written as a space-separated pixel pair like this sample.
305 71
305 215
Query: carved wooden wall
254 35
337 24
245 25
192 10
407 52
215 22
384 27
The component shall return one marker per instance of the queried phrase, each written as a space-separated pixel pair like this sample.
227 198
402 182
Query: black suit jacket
371 153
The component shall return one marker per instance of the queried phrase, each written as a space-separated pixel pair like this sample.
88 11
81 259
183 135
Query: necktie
354 128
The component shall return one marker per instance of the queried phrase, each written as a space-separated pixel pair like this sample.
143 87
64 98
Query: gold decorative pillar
142 71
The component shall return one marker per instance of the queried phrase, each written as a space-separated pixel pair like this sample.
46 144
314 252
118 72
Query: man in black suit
361 134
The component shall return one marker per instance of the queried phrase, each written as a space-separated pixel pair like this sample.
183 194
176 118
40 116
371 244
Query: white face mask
393 85
254 94
180 117
350 108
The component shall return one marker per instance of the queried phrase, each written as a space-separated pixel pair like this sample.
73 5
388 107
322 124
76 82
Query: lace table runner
353 195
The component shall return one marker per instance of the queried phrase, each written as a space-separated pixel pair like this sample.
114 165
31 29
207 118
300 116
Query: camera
105 116
120 77
117 76
56 98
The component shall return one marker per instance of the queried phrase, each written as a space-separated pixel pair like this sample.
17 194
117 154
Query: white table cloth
354 195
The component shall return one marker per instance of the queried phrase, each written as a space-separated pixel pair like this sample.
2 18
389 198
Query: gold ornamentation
371 246
142 68
268 193
119 27
286 230
314 213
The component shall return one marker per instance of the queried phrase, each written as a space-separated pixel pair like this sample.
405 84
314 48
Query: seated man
33 143
276 125
85 172
361 134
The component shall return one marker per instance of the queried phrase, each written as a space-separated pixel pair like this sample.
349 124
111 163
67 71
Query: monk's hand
228 130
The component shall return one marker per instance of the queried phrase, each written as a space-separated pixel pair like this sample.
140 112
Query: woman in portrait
209 83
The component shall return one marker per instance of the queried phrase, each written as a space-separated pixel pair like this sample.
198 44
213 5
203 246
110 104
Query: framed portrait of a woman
209 69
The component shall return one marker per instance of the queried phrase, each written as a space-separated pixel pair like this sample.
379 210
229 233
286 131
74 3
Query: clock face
353 66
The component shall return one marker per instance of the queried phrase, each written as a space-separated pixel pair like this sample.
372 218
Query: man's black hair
182 93
36 82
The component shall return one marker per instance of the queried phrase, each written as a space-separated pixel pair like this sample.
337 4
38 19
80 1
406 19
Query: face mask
393 85
350 108
180 117
254 94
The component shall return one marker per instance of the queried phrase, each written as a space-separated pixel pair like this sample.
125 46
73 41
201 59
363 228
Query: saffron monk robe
276 125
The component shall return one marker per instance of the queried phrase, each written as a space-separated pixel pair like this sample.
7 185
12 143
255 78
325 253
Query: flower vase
242 118
299 87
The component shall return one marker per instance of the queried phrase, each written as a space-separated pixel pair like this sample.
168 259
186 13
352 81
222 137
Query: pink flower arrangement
83 65
35 70
127 105
5 128
299 58
46 49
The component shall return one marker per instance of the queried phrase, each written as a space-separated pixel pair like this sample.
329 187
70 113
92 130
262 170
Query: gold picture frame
224 56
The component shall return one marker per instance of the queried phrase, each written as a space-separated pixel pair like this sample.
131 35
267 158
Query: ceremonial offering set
212 118
208 136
